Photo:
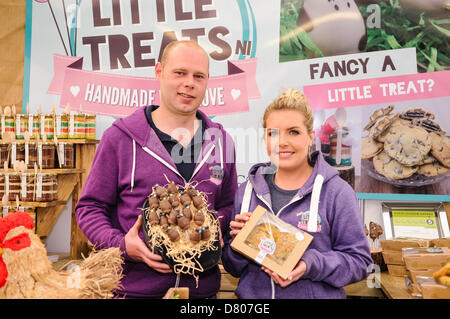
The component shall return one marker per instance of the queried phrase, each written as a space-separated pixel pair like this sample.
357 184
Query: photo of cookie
440 148
417 113
382 124
409 145
415 152
377 114
393 128
433 169
390 168
370 147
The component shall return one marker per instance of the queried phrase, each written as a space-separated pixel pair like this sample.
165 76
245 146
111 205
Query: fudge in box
271 242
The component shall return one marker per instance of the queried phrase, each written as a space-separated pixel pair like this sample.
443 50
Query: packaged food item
271 242
46 187
34 125
47 126
12 185
27 187
90 126
400 243
426 258
5 150
66 155
21 125
8 125
77 125
62 126
46 155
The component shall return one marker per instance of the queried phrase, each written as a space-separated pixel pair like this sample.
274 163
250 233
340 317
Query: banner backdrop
98 56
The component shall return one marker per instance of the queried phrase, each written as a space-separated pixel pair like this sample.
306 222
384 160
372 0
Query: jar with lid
46 187
77 125
2 184
345 149
47 126
46 155
62 126
34 125
31 212
90 126
27 187
8 125
17 152
21 125
5 152
12 185
66 155
31 154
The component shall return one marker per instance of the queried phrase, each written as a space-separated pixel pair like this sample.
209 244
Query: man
174 140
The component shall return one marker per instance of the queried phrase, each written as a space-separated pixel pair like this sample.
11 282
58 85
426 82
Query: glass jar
66 155
17 152
2 185
46 155
12 185
5 149
62 126
46 187
34 125
31 155
346 149
77 125
8 125
21 126
90 126
27 187
47 126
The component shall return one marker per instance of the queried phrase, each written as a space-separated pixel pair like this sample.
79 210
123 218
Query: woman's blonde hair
291 100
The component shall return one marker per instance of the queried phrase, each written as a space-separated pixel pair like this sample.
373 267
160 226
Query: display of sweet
401 145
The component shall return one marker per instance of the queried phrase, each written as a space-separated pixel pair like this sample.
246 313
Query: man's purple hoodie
129 161
338 255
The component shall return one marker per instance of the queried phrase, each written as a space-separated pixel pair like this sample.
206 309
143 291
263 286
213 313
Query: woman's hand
295 275
238 223
138 251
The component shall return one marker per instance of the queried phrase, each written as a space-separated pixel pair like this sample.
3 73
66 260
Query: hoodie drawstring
314 205
134 165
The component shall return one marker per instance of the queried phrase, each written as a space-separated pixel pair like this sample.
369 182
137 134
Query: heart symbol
235 93
74 90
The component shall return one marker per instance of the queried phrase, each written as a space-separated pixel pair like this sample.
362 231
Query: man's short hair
174 44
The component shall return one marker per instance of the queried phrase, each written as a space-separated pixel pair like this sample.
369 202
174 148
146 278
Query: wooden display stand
70 182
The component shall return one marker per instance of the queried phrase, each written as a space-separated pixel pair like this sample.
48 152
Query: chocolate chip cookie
433 169
409 145
370 147
417 113
440 148
390 168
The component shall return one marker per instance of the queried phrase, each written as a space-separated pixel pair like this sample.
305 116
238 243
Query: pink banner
120 95
379 90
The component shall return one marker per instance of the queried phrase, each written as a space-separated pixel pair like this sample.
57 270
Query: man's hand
138 251
295 275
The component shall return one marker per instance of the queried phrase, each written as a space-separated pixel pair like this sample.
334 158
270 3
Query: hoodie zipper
197 169
294 199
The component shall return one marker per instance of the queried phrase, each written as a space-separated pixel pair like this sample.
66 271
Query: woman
339 253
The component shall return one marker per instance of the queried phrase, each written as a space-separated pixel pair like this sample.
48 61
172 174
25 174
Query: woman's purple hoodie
129 161
338 255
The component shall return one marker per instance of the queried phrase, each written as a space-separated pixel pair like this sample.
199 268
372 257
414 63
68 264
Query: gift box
271 242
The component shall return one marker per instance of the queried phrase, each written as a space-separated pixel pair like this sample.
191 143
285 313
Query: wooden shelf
52 170
65 140
39 204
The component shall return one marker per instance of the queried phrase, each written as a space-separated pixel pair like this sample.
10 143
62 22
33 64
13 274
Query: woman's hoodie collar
257 172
